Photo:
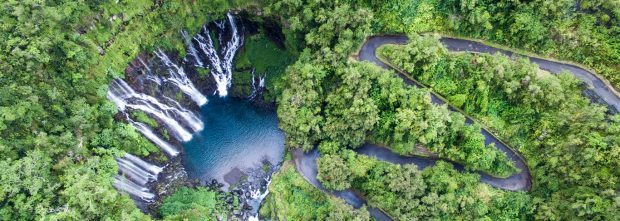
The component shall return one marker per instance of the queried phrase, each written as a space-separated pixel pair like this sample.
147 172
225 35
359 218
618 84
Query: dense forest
543 114
59 135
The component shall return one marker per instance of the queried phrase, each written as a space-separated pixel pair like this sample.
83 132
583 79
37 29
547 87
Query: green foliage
262 54
333 173
583 31
332 29
406 118
203 72
421 53
58 131
326 98
293 198
437 192
350 110
299 106
543 114
194 204
142 117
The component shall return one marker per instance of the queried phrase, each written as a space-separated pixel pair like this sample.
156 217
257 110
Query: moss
140 116
266 58
266 167
203 72
165 134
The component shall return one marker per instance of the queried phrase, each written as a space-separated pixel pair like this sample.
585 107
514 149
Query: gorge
220 138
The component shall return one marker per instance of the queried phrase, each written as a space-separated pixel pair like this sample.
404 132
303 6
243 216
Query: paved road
604 93
519 181
305 163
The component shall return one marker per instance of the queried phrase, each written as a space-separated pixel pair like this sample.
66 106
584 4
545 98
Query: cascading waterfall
128 165
148 74
153 169
257 89
191 48
146 67
137 177
258 197
221 24
180 79
137 174
125 97
221 63
149 134
133 189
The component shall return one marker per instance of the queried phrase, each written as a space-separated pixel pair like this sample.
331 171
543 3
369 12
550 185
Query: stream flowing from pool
218 138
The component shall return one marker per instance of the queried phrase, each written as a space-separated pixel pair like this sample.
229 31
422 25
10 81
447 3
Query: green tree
333 172
194 204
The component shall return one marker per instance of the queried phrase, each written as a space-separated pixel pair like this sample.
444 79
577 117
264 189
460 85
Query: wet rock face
253 189
149 74
145 71
170 179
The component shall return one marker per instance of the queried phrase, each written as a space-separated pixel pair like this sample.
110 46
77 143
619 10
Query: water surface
237 136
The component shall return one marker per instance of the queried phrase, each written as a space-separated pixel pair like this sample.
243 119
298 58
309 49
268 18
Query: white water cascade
258 197
180 79
221 63
153 169
149 134
133 189
257 89
191 48
135 175
125 97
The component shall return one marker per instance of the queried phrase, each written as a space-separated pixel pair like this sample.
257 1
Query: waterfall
125 97
140 177
146 67
221 64
261 82
131 166
189 117
256 89
180 79
137 169
140 173
149 134
133 189
258 197
221 24
191 48
145 165
148 75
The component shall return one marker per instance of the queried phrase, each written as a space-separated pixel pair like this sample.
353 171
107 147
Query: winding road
305 163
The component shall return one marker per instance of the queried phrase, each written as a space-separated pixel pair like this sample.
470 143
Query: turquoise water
236 135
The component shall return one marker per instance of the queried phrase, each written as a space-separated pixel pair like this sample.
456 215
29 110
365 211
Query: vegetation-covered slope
584 31
570 144
59 136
